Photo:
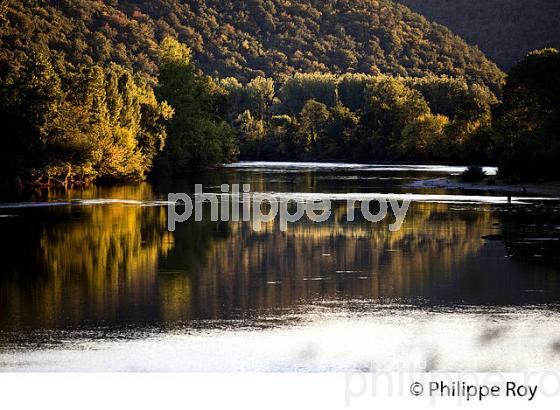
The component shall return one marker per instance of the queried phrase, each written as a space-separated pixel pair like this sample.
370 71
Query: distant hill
506 30
247 38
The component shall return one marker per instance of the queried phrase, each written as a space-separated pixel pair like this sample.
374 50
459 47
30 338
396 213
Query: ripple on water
331 338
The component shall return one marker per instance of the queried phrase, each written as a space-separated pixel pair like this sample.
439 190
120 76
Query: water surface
92 280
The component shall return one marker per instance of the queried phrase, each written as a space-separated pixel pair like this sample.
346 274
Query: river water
93 280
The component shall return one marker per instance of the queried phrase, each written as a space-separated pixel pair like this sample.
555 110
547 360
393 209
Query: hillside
506 30
246 39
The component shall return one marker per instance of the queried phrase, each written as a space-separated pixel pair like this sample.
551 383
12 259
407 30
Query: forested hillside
506 30
245 39
119 89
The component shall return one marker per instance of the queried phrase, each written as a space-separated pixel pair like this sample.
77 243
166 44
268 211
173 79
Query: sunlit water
91 280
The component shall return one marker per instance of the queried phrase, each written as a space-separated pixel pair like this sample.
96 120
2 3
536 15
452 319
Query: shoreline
542 188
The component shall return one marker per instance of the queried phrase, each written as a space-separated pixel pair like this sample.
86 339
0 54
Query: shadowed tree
528 122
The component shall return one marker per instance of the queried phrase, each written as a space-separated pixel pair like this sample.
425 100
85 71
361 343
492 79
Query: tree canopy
198 136
528 121
360 117
247 39
92 123
107 90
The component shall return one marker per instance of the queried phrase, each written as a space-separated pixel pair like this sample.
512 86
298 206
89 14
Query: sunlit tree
197 135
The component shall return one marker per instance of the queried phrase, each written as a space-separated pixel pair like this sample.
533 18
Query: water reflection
113 265
67 266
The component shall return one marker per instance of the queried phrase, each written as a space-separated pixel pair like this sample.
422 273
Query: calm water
92 280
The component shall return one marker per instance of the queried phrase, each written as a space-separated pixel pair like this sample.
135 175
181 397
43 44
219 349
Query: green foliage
444 95
114 102
299 81
197 135
88 124
30 111
424 138
251 132
340 136
390 107
352 90
361 117
247 39
313 120
301 88
528 122
3 13
262 93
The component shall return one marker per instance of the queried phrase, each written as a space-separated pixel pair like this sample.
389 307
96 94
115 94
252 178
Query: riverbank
542 188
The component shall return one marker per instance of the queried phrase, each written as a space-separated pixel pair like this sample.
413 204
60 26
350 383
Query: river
93 280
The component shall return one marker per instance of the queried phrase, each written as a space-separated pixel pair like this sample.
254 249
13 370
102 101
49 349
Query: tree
340 137
246 39
390 107
92 123
251 134
122 120
154 117
257 97
313 121
529 118
352 90
444 95
3 13
301 88
263 92
30 115
197 135
424 138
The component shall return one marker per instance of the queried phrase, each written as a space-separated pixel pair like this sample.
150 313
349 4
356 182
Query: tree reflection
117 265
84 263
269 269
